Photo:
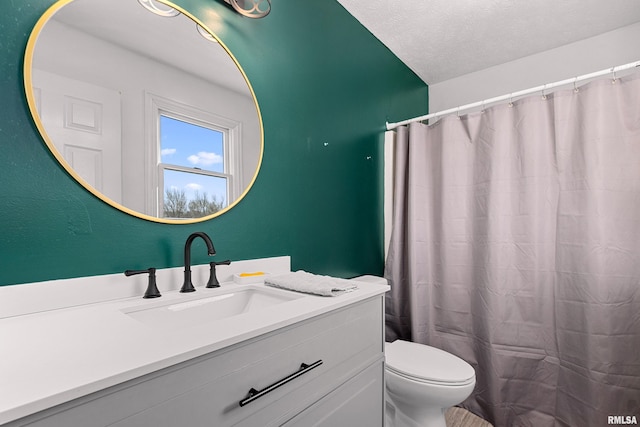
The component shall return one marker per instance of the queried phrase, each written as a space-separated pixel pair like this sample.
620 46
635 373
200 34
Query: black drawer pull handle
254 394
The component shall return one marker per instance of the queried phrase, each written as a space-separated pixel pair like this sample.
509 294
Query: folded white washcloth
309 283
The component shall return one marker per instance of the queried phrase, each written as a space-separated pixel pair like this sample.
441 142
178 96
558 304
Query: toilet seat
426 364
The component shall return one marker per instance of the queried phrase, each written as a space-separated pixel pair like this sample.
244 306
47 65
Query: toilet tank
372 279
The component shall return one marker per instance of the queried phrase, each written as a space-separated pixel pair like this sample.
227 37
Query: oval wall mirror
148 111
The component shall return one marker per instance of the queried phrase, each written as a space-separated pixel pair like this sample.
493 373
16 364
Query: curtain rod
512 95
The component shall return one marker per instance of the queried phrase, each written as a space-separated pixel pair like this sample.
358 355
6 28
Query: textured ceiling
443 39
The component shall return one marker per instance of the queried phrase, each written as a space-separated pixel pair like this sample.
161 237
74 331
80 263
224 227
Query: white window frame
157 105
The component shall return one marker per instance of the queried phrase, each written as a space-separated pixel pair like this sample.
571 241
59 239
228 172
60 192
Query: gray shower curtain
516 246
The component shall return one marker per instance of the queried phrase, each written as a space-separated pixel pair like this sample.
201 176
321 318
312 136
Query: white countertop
51 357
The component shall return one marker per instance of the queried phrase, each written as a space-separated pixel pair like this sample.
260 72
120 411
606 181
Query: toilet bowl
422 382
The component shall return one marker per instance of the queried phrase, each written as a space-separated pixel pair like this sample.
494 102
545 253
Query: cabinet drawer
341 340
206 391
358 402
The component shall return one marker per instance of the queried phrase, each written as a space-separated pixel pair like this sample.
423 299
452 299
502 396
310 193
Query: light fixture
251 8
159 8
206 34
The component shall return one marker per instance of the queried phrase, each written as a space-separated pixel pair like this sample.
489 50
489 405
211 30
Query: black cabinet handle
255 394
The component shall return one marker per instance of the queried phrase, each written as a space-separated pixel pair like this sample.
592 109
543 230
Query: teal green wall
320 78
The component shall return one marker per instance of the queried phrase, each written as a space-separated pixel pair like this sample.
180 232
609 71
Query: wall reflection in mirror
142 110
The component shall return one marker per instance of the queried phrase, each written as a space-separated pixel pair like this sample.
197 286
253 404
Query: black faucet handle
152 290
213 279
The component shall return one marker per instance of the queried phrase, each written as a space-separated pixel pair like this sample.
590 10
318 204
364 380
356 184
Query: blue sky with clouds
188 145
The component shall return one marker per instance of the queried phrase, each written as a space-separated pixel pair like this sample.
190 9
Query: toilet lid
425 363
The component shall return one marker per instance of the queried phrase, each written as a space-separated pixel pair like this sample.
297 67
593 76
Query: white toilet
422 382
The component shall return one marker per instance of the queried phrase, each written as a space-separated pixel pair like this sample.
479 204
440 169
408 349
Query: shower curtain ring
544 95
458 112
613 71
575 85
510 100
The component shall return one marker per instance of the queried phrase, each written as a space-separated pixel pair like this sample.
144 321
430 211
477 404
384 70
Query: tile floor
459 417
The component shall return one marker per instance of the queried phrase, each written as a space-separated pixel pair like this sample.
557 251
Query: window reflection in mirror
110 84
193 168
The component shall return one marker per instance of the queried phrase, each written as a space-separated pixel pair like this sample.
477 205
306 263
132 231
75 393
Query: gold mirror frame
33 107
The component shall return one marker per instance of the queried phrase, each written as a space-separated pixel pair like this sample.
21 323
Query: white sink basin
207 308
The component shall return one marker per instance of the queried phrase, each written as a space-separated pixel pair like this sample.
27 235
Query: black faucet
213 279
187 286
152 289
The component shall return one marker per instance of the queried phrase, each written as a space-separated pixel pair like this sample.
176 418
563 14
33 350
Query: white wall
607 50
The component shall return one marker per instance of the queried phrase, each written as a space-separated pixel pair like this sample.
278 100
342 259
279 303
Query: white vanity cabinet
356 403
330 368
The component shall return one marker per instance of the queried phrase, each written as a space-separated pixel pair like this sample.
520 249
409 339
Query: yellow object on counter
249 277
257 273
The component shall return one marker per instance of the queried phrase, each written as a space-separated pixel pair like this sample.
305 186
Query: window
193 167
194 159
